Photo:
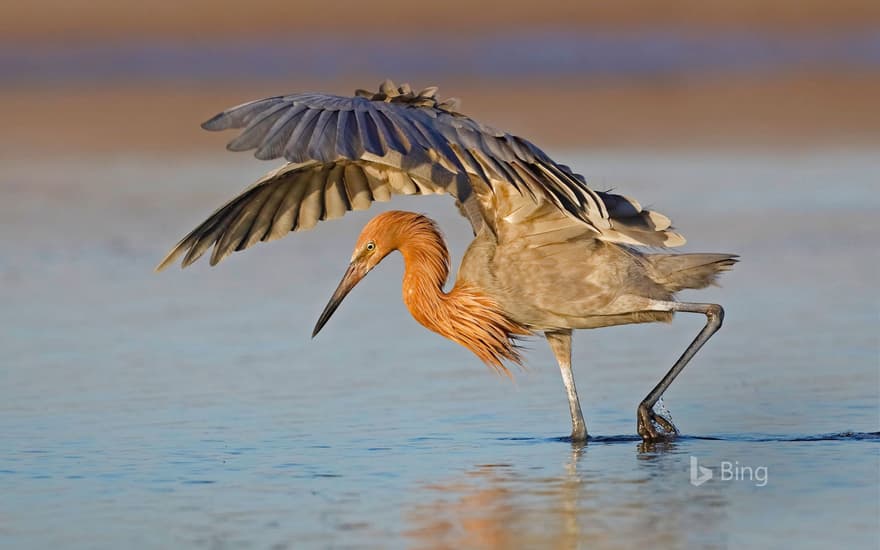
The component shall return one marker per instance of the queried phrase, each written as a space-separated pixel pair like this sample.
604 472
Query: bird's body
563 285
549 255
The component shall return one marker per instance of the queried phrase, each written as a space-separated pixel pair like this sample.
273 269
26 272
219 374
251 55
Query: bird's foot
653 426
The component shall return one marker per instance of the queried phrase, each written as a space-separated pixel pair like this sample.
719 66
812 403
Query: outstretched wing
345 152
404 130
296 196
541 225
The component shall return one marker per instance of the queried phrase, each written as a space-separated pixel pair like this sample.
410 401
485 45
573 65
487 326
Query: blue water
191 408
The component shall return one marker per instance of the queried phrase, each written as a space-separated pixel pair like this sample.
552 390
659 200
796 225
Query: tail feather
680 271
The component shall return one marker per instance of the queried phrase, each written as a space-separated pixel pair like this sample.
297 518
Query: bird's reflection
644 502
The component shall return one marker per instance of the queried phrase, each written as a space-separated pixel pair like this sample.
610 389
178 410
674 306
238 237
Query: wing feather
256 130
413 134
286 216
236 227
346 152
348 140
393 136
278 135
241 115
322 145
357 190
402 183
312 207
294 150
375 178
263 222
336 202
213 231
369 133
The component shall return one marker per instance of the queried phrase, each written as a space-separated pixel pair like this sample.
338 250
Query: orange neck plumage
464 315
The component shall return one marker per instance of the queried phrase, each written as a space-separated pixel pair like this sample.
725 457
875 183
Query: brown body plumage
550 255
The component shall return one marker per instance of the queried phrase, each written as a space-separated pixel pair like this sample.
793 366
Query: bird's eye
371 246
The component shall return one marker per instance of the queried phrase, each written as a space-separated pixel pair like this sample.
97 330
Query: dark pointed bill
352 276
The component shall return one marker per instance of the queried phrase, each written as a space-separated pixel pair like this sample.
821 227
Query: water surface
192 409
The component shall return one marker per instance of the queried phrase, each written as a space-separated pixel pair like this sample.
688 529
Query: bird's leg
645 414
560 343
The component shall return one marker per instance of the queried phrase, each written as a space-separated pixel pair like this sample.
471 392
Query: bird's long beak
352 276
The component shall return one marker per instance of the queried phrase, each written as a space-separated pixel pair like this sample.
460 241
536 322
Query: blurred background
138 76
191 409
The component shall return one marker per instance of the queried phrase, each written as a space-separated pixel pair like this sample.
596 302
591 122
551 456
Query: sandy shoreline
88 20
96 75
785 111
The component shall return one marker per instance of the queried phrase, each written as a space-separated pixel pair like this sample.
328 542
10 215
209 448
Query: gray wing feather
256 130
295 198
322 145
273 143
367 127
425 125
241 115
348 141
497 147
296 149
419 143
392 135
346 152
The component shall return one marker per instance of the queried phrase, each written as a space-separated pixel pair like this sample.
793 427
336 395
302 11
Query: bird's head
380 237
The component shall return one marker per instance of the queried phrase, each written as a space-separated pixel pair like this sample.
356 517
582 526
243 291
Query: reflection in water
501 506
126 393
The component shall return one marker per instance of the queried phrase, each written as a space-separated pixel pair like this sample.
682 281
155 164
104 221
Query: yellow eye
371 246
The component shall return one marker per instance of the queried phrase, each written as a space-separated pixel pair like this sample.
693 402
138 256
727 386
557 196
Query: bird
550 255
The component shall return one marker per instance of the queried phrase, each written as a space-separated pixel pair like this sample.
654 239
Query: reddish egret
550 255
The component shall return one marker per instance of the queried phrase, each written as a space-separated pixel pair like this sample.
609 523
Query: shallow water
192 409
